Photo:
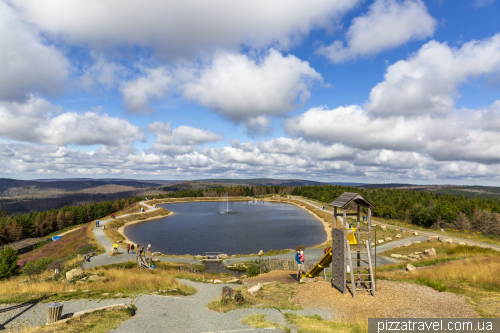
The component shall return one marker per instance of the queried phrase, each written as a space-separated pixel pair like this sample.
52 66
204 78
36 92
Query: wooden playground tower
343 251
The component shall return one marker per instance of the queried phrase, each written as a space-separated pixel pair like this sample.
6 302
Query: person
128 248
149 248
142 250
132 248
299 264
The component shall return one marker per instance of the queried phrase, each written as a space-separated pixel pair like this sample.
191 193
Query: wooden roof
347 197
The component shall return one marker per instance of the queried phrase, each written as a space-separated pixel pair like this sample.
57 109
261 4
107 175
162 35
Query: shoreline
325 224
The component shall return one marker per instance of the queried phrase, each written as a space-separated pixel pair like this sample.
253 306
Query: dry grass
129 282
259 321
96 322
314 324
475 277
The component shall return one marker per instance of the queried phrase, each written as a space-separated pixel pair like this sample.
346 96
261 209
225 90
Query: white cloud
35 121
470 135
102 74
187 135
427 82
388 24
138 93
227 24
245 90
482 3
28 64
181 140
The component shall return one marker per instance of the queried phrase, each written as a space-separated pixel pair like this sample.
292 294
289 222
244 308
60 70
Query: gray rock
94 278
410 268
430 252
255 289
77 272
433 238
407 244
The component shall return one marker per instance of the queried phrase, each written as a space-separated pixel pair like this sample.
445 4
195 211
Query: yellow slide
318 268
327 258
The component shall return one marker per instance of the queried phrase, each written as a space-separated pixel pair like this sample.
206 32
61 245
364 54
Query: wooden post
54 312
335 217
370 225
345 222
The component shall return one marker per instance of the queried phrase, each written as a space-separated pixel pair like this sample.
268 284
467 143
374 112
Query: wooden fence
282 264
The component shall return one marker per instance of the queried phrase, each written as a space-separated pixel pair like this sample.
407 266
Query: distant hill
263 181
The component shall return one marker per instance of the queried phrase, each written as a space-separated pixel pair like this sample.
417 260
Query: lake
251 226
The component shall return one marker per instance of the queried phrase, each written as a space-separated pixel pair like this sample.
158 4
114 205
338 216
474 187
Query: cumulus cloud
187 135
38 121
468 136
388 24
246 90
138 93
427 82
227 24
181 140
102 73
28 64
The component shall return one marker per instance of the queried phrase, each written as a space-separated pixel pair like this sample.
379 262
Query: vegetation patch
276 295
260 321
96 322
314 324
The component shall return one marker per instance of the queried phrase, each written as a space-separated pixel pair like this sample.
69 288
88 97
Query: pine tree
8 263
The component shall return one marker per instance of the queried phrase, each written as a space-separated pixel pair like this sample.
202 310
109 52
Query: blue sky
345 90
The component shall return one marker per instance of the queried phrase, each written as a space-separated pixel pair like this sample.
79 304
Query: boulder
156 254
155 260
430 252
410 268
407 244
94 277
447 241
417 253
462 243
372 244
119 294
387 239
223 256
218 281
404 257
74 273
261 252
433 238
374 225
105 294
412 259
384 228
397 246
380 241
398 236
255 289
417 242
227 292
234 281
415 233
395 255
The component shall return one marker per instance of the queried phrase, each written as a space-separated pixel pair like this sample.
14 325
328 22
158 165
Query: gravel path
190 314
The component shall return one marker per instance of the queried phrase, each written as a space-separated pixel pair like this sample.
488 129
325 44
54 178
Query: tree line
39 224
232 191
421 208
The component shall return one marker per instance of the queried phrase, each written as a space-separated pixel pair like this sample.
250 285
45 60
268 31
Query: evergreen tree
8 263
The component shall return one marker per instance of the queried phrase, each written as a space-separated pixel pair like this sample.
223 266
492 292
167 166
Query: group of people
140 249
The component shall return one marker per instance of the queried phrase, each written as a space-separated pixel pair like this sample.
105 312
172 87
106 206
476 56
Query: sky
402 91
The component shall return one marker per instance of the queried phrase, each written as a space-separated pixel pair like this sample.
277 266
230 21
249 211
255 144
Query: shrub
253 269
8 263
36 267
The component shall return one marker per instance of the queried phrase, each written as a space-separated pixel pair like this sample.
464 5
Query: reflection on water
196 228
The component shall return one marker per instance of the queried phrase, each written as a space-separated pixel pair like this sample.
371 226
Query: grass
129 282
259 321
96 322
64 249
269 253
276 295
316 324
474 277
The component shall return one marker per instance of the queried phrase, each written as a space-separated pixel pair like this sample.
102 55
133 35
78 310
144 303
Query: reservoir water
250 226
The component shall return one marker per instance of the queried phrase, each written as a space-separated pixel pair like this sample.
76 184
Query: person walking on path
132 248
149 248
128 248
299 264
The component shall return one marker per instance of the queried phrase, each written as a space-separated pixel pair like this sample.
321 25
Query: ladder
356 284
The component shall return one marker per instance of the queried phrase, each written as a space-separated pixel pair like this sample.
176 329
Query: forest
421 208
39 224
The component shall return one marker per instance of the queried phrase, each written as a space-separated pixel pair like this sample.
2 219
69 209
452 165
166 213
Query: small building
26 245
